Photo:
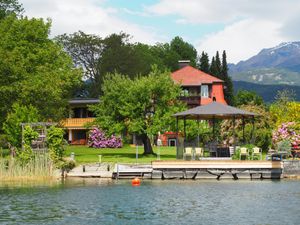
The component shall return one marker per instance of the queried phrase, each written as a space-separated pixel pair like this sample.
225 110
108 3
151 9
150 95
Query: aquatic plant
40 166
98 139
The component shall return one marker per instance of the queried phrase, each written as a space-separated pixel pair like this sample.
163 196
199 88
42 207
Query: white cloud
221 11
249 25
90 16
242 39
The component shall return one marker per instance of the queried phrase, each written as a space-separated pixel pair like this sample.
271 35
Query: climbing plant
26 154
55 143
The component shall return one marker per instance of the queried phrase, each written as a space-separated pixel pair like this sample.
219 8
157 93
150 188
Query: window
204 91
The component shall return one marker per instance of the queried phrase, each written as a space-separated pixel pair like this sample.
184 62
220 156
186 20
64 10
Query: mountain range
274 68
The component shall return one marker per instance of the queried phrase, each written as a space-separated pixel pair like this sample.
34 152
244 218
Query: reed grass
40 167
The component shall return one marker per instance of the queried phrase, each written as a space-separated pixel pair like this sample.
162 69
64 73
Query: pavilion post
184 131
252 131
243 125
177 148
198 139
213 121
233 122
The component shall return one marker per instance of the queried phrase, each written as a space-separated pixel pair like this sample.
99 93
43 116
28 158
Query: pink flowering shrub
97 139
287 132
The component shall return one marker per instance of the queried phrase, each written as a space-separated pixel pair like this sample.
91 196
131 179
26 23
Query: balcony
191 100
76 123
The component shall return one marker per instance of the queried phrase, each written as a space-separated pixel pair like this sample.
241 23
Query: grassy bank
127 154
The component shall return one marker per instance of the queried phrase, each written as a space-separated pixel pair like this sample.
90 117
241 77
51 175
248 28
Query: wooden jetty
217 169
202 169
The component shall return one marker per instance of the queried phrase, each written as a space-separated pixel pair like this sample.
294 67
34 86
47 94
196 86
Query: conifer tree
213 69
228 86
218 72
204 62
215 66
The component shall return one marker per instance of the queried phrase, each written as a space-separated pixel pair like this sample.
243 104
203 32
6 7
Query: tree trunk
147 144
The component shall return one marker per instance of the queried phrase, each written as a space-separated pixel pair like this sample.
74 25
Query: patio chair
244 152
231 150
187 152
198 152
212 146
257 151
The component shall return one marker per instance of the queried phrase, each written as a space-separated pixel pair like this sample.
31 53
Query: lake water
94 201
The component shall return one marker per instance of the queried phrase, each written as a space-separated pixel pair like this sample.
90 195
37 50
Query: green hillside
268 92
267 76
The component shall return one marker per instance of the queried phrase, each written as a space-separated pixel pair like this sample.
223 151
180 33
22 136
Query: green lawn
127 154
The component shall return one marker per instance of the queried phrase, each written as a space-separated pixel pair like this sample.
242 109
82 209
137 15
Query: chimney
183 63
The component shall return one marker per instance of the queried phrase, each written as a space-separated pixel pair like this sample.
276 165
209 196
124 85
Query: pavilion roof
215 110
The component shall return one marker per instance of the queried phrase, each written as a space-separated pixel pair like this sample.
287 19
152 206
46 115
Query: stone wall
291 167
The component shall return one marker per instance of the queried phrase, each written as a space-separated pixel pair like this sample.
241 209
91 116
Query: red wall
217 92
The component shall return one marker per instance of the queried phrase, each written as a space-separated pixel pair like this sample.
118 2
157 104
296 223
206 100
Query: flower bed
98 139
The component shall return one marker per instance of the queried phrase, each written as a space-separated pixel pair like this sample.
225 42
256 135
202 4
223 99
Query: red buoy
136 182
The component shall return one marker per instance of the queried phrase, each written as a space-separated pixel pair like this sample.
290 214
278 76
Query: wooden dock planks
218 164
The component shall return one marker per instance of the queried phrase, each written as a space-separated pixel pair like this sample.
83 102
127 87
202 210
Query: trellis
40 144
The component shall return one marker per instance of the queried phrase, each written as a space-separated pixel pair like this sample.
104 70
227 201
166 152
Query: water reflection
98 201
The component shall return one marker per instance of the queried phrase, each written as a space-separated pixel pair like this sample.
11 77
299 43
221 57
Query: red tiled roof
190 76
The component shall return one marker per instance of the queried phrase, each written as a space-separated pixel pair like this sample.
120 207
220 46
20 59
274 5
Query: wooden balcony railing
191 100
76 122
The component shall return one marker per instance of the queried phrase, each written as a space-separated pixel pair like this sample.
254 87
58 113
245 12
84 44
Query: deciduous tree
33 69
143 106
8 7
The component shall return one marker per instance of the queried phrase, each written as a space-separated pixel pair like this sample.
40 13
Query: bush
97 139
287 131
284 146
66 165
55 143
3 141
12 125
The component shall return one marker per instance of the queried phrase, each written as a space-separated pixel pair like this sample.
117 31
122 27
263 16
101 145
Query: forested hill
268 92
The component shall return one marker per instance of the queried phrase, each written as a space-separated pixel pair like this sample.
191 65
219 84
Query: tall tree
86 51
204 62
33 69
142 105
8 7
213 67
217 72
184 50
123 57
167 57
114 53
228 86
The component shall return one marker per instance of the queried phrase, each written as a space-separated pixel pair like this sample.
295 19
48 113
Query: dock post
117 170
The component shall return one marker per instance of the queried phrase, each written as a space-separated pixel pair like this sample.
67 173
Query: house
198 88
80 116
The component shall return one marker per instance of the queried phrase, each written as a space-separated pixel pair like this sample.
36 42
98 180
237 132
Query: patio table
223 152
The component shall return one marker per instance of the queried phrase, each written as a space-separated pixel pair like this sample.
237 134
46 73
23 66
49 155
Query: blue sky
241 27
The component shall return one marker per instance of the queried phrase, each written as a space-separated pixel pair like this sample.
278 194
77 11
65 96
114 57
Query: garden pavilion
211 112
